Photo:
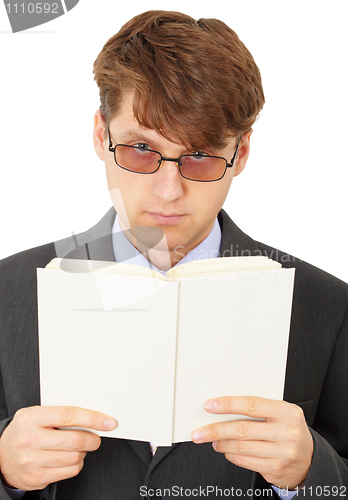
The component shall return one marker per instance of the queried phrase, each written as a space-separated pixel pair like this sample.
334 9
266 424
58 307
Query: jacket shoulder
19 269
306 271
308 277
313 287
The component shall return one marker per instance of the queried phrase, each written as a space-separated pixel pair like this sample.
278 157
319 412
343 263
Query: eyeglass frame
175 160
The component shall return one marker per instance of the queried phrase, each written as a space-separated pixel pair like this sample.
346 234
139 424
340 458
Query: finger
250 406
238 430
69 416
70 440
57 459
44 477
260 449
257 464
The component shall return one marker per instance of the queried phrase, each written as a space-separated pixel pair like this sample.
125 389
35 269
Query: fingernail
110 423
197 436
211 404
214 445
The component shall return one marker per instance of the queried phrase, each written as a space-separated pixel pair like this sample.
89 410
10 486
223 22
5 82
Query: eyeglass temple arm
110 142
229 165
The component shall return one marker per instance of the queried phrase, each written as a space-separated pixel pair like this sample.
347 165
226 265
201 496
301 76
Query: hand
34 453
279 448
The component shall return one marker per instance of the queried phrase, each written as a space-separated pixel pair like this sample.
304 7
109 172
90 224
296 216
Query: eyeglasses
194 167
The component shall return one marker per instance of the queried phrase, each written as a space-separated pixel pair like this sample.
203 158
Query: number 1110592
31 8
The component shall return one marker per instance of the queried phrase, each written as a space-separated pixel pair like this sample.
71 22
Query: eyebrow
140 135
134 134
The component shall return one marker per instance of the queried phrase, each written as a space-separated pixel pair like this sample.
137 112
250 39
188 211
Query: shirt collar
124 251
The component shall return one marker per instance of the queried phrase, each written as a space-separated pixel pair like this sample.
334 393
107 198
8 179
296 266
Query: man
178 99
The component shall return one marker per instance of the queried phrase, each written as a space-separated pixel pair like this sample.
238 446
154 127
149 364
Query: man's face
185 210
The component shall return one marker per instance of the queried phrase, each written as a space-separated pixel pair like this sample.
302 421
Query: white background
293 193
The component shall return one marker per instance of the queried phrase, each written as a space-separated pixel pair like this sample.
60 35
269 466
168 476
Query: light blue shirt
124 251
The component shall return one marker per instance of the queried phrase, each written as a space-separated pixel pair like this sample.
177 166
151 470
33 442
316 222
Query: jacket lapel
94 244
142 448
234 242
161 452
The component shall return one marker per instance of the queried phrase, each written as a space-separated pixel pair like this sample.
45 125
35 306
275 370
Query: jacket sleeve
330 430
328 470
328 475
3 424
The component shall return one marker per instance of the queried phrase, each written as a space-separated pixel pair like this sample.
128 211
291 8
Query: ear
243 152
99 134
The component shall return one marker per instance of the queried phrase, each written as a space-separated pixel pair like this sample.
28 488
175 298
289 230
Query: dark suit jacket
316 379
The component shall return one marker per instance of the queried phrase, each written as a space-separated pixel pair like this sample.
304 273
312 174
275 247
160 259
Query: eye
142 146
199 156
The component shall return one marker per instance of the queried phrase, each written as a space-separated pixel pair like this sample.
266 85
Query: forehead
125 115
127 128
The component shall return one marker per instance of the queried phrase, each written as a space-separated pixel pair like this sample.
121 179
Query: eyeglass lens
192 167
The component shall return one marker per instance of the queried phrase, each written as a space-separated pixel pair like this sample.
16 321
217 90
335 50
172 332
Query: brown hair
194 82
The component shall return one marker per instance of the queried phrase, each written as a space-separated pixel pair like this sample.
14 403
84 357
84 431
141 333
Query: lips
166 219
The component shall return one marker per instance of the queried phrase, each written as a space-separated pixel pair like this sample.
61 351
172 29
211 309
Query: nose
168 185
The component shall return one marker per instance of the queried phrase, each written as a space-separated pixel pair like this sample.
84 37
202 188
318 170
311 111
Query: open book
150 349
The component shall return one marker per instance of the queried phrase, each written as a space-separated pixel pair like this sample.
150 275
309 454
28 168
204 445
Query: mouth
166 219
